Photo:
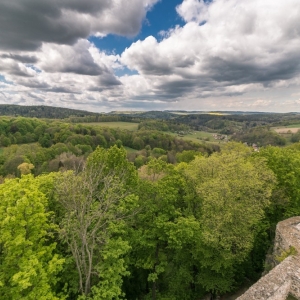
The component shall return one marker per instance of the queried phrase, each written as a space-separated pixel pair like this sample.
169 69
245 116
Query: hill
42 111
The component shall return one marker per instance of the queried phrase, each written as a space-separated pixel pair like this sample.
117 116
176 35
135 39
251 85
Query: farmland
122 125
288 129
196 136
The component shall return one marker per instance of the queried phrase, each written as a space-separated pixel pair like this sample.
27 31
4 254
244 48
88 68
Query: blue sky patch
162 17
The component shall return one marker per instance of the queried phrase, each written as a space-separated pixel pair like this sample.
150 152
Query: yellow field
286 129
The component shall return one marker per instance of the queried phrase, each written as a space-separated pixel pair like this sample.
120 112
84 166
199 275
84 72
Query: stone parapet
284 279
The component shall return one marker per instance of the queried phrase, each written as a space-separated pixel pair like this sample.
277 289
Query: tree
45 140
285 163
234 190
4 141
96 202
164 238
25 168
187 155
137 143
28 263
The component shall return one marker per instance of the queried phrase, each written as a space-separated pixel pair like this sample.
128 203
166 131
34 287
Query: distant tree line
42 111
262 136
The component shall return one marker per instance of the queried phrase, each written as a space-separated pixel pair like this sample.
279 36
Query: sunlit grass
198 137
130 150
121 125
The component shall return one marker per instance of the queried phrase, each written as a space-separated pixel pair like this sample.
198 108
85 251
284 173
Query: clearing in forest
121 125
287 129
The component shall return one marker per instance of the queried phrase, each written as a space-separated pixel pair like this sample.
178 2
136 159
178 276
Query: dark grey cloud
19 72
62 90
92 69
95 89
26 59
178 87
14 69
32 83
86 6
149 68
243 72
70 59
78 67
109 80
26 24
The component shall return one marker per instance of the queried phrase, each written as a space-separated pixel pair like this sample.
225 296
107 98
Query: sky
108 55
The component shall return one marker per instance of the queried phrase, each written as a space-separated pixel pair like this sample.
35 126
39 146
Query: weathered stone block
284 279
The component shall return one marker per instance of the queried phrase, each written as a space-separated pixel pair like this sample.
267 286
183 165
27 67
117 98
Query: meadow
122 125
198 136
288 129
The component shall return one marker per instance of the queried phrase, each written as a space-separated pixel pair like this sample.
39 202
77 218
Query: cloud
63 68
224 43
9 66
26 24
21 58
227 54
69 59
193 10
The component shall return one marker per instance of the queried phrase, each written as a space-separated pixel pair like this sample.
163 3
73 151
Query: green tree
163 238
5 141
45 140
138 143
187 155
96 202
234 190
285 163
28 264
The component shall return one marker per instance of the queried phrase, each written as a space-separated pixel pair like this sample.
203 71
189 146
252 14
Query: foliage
234 190
162 126
94 230
96 201
25 168
285 254
285 163
262 136
29 265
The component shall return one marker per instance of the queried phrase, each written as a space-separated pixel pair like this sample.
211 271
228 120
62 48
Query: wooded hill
41 111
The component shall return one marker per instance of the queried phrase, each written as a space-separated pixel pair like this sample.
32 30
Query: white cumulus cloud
242 43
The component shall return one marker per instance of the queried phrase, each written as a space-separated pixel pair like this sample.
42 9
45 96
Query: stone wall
284 279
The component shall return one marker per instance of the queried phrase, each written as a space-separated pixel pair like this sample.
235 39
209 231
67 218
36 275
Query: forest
89 211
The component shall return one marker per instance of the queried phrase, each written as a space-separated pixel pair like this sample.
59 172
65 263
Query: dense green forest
92 212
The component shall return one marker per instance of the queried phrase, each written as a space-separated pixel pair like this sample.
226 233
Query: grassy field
198 136
293 126
195 136
130 150
289 130
1 151
121 125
